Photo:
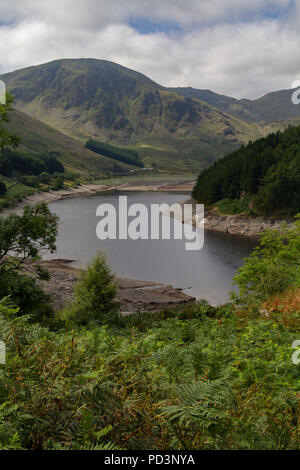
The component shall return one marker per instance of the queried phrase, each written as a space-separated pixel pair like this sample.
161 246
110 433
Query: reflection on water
206 274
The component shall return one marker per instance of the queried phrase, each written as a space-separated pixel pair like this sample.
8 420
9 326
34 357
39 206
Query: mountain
269 109
94 98
37 137
182 129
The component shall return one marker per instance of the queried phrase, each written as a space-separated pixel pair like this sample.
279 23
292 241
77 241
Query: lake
204 274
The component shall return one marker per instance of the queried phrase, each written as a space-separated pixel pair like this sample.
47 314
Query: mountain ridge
251 110
171 127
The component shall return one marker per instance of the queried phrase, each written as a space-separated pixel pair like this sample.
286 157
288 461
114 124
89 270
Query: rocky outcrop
240 224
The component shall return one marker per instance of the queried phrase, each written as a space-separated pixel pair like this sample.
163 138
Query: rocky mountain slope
94 98
176 128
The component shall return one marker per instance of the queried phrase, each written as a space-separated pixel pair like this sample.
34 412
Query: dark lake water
205 274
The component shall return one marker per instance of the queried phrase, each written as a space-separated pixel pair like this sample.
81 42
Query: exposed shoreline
241 224
133 295
93 189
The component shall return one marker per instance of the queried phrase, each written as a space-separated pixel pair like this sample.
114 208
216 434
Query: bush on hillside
45 177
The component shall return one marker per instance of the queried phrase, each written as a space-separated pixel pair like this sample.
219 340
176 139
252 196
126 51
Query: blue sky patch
146 26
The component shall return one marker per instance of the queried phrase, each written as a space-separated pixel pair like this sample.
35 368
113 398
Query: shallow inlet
204 274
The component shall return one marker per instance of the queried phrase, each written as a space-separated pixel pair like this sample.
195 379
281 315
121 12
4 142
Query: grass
16 192
146 178
38 137
233 207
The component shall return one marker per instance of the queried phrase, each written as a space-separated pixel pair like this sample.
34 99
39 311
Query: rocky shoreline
133 295
241 224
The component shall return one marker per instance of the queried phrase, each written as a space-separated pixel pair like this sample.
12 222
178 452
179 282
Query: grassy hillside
178 129
39 138
100 99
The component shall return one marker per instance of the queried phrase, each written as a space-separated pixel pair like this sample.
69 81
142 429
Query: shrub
45 177
25 293
58 182
94 295
273 266
31 180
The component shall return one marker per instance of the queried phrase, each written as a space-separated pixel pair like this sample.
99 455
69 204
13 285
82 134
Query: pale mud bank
52 196
240 224
133 295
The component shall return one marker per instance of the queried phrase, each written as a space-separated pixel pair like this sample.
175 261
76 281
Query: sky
240 48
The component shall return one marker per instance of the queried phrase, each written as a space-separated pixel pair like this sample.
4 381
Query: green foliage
30 180
45 177
94 295
58 182
27 234
22 238
3 188
49 399
273 266
16 192
198 377
17 162
206 382
234 206
6 138
267 170
24 291
123 155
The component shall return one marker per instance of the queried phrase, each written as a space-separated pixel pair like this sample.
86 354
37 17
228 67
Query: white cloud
216 49
92 13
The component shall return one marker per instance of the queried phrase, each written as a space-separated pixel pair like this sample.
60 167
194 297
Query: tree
94 294
30 180
45 177
58 182
22 239
25 236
